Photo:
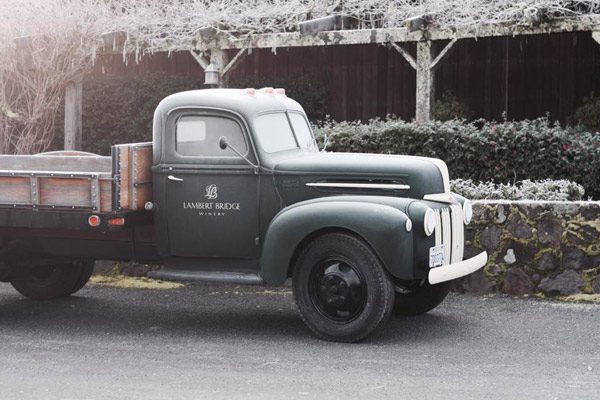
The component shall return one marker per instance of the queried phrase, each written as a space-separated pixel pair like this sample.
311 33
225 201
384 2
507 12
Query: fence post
73 115
425 82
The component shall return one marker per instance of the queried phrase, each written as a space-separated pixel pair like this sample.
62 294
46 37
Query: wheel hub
340 292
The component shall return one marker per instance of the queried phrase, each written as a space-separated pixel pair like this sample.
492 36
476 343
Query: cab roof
246 102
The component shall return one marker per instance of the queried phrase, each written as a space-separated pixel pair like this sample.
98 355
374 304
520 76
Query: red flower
493 129
566 146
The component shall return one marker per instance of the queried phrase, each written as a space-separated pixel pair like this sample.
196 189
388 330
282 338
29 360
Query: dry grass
128 282
582 298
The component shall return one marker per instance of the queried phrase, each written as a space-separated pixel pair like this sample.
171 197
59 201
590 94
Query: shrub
588 114
119 109
481 151
451 107
558 190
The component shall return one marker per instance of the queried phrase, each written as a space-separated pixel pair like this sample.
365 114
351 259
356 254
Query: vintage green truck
234 189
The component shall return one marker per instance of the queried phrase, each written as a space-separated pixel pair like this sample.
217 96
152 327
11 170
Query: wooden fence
526 76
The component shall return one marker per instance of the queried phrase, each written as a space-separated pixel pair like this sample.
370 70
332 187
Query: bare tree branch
58 39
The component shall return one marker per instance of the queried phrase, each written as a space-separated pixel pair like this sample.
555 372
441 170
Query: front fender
383 227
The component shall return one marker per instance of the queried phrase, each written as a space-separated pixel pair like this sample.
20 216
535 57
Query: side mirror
223 143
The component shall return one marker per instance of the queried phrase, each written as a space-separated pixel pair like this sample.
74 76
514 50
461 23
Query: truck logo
211 192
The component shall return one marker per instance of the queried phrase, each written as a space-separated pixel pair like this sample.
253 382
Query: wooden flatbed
78 182
77 204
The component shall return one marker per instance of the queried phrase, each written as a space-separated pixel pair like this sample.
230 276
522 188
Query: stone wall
534 247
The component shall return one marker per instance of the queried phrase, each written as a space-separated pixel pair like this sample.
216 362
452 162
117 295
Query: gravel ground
226 342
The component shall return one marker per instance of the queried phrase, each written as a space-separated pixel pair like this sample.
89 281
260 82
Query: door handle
174 178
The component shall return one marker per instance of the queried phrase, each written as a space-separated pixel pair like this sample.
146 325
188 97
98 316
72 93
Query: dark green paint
382 226
275 211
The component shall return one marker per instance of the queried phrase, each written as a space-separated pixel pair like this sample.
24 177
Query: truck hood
320 174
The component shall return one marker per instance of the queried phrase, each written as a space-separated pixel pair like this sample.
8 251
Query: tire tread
384 307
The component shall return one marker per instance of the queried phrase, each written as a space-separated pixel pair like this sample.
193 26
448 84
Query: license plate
436 256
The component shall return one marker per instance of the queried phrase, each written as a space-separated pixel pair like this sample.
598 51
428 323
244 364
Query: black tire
419 299
87 269
52 281
341 289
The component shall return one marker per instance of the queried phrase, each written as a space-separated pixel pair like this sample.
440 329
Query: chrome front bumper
457 270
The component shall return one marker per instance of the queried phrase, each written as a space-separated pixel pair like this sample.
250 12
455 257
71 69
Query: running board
207 276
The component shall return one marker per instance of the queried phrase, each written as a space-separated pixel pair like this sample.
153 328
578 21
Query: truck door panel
211 194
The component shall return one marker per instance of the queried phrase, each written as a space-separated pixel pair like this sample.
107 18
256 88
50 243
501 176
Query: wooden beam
425 82
234 62
200 59
365 36
209 38
328 38
73 115
218 59
444 53
407 56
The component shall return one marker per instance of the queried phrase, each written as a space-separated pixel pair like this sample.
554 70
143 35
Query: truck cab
241 193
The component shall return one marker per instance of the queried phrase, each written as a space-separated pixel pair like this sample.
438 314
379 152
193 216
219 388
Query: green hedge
482 151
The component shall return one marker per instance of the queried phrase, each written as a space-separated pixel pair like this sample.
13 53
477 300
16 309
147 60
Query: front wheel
53 281
419 298
341 289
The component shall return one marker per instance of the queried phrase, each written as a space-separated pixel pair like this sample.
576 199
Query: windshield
274 132
302 131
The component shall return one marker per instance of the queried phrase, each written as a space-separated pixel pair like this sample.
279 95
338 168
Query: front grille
450 231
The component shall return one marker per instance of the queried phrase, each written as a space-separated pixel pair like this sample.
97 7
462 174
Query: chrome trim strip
457 233
385 186
450 231
438 228
447 235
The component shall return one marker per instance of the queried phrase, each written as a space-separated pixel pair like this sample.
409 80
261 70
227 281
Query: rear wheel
419 298
87 269
53 281
341 289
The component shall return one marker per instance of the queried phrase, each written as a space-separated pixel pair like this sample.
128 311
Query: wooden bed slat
15 190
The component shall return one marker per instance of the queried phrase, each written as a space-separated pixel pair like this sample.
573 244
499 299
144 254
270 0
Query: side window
198 136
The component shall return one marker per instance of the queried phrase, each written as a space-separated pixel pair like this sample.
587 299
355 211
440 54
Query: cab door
212 195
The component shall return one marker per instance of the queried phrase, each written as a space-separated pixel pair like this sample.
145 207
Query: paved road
222 342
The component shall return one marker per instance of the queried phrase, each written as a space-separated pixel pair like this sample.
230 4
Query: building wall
527 76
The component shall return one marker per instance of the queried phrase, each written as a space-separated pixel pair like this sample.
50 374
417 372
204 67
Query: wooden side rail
56 190
78 181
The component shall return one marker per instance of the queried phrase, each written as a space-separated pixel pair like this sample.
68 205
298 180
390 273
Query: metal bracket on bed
35 189
95 192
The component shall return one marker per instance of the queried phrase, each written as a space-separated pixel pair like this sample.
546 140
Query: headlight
429 222
467 211
408 225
